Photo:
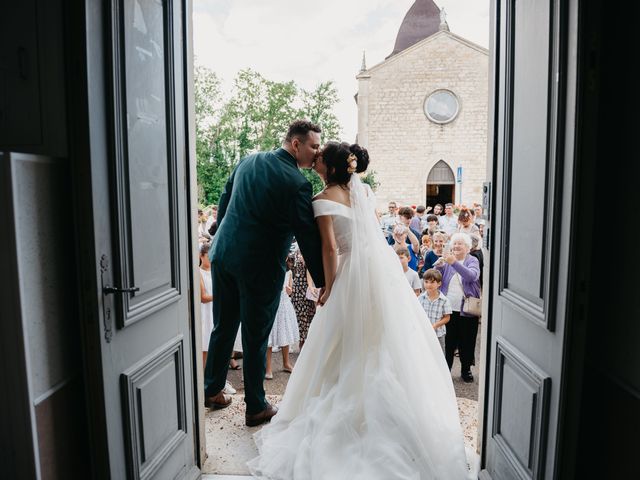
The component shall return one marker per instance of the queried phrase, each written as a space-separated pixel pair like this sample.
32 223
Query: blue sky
311 42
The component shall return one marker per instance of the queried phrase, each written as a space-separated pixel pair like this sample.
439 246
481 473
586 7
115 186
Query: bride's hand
323 296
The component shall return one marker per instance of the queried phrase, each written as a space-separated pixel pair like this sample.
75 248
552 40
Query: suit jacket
265 202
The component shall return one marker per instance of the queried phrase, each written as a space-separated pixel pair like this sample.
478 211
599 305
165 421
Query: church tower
421 21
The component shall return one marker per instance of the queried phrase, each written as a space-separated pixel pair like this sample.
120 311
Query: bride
371 395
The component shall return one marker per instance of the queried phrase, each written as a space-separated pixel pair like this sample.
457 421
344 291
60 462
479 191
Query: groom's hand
323 295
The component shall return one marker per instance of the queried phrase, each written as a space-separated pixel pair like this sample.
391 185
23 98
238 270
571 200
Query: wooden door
142 385
533 122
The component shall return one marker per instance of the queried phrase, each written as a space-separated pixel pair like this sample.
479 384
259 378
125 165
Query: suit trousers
461 334
249 303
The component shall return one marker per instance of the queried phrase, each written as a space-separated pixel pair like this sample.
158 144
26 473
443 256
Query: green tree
255 117
278 114
370 179
314 178
211 168
317 106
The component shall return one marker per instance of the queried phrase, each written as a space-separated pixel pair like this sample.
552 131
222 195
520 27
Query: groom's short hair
300 129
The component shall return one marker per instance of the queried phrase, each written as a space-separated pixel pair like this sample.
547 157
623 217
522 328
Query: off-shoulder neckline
331 201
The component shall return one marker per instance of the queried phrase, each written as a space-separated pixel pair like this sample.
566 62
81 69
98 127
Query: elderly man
449 221
389 220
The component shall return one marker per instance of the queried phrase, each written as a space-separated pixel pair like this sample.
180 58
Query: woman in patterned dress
305 308
285 327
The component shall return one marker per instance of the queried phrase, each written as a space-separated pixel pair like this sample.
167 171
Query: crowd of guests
439 250
441 257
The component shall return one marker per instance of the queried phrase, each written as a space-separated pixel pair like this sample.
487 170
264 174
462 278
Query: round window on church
441 106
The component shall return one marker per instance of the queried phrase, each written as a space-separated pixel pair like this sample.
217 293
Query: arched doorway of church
441 185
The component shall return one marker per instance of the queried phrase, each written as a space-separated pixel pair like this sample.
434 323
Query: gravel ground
467 390
280 378
230 443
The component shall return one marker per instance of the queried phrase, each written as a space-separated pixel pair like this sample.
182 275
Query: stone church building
422 113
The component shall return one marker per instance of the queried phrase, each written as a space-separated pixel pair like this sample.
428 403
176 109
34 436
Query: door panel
145 162
524 165
137 133
520 413
531 159
533 175
155 411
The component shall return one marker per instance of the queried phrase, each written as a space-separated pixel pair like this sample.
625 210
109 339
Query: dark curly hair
336 155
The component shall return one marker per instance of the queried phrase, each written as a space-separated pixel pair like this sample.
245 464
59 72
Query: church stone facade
417 159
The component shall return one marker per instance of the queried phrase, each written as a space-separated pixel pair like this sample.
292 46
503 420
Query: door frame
192 207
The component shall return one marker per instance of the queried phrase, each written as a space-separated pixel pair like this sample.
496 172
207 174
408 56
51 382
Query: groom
265 202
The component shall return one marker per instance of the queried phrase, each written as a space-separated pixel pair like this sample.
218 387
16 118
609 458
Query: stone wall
403 144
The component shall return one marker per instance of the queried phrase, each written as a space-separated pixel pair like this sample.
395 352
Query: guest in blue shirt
403 236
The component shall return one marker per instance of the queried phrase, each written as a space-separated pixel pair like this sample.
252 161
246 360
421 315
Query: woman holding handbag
461 285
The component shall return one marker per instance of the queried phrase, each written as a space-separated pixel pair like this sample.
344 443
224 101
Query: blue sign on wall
459 175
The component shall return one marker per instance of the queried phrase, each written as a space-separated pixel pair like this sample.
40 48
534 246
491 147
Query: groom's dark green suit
265 203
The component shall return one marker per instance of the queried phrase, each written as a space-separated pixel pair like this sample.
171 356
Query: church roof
435 38
421 21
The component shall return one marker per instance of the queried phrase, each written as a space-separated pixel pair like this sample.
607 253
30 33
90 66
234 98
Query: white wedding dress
370 397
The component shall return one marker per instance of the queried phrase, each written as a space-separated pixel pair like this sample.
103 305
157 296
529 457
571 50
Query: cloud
313 42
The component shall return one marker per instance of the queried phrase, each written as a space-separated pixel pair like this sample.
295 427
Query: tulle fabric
371 396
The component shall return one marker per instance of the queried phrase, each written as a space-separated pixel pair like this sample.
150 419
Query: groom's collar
284 155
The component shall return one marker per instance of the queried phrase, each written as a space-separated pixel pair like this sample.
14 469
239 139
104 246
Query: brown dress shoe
218 401
261 417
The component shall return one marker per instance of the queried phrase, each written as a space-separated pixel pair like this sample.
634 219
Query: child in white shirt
412 275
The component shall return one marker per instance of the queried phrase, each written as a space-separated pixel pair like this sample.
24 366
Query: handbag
472 306
312 294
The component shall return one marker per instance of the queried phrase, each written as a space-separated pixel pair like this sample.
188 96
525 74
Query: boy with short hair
405 215
412 275
419 221
436 305
432 225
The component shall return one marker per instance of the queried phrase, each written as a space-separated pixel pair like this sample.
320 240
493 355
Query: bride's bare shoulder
334 193
322 195
325 194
